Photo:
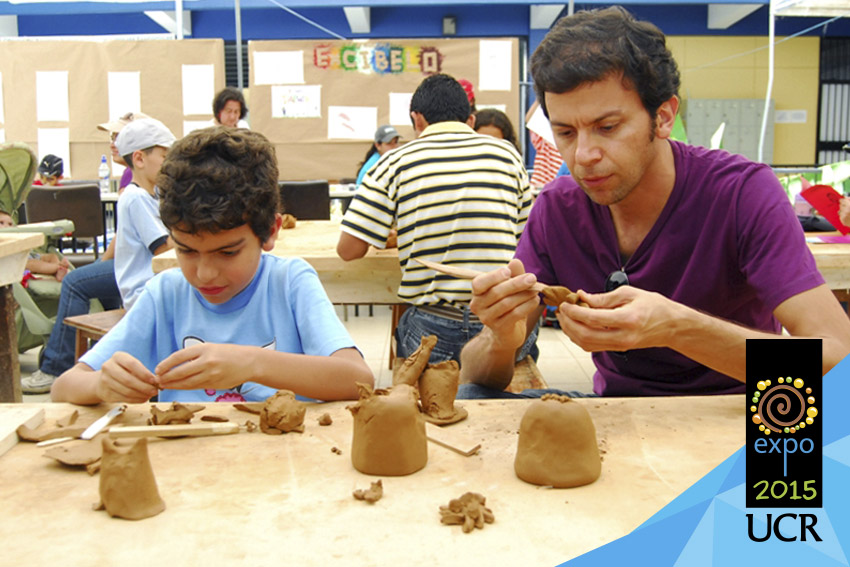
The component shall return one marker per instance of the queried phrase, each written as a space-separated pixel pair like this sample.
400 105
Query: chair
78 203
306 200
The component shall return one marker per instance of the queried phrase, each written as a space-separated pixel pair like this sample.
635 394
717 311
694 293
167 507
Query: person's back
457 197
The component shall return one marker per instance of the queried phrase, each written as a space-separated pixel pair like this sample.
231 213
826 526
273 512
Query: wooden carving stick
465 273
177 430
553 295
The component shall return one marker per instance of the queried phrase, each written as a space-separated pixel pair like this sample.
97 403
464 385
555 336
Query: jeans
79 287
451 335
476 392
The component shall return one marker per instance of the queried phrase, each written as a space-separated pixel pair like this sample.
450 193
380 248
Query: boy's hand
210 365
122 378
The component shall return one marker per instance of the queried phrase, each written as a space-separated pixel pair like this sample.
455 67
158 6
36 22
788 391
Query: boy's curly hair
217 179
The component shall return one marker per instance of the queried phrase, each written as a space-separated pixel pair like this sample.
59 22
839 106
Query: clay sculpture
389 432
282 413
557 444
469 511
127 485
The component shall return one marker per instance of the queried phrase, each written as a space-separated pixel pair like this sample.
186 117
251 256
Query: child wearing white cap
141 235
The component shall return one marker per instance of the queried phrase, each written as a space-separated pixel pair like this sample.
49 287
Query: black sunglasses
616 279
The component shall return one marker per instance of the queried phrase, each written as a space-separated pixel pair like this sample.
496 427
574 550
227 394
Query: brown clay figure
469 511
282 413
389 432
372 495
554 295
177 413
127 484
437 391
412 367
557 444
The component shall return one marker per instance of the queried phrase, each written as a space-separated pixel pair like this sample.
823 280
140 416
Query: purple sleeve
773 253
126 178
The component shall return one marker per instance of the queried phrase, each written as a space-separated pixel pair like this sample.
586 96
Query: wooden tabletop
372 279
833 261
244 499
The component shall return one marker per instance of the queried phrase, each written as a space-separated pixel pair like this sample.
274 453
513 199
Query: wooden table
247 498
373 279
14 250
833 261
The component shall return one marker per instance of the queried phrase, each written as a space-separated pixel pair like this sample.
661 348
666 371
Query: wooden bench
91 327
526 375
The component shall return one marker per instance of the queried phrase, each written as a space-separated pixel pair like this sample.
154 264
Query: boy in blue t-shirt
233 323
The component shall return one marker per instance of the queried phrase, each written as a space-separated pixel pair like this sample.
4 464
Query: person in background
456 197
141 235
844 211
50 171
113 128
80 287
229 108
386 139
232 324
494 122
39 264
547 161
681 253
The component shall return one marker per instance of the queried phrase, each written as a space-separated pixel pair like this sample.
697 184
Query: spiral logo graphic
783 407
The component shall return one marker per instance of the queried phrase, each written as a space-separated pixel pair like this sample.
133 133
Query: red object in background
826 201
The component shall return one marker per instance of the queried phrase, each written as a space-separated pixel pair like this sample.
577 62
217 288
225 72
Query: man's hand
210 365
844 211
122 378
626 318
503 300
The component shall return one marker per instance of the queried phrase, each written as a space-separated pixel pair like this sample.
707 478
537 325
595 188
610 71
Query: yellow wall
737 67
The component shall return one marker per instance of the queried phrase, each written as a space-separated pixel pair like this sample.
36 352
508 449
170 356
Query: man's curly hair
217 179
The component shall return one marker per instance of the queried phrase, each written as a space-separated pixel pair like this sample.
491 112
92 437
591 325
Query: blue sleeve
320 330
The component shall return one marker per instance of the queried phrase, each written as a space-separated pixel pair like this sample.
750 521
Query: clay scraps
78 453
177 413
325 419
372 494
282 413
469 511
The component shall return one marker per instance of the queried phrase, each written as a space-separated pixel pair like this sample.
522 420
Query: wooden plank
13 416
526 376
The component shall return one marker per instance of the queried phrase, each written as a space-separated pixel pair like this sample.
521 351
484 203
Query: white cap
142 134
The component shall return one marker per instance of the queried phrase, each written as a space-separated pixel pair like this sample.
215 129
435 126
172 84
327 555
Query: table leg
10 368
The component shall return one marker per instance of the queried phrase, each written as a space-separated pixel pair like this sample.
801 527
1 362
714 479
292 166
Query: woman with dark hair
496 123
229 108
386 139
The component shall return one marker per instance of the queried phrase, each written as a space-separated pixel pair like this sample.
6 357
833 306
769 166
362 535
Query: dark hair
440 98
497 118
373 149
226 94
591 45
217 179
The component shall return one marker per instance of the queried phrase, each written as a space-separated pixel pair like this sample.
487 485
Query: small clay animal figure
554 295
372 495
469 511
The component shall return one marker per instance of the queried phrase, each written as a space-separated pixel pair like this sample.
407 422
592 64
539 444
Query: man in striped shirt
455 197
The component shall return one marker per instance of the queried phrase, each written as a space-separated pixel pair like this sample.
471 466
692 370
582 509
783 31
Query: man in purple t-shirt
681 253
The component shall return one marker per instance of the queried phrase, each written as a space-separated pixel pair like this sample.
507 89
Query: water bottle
103 175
